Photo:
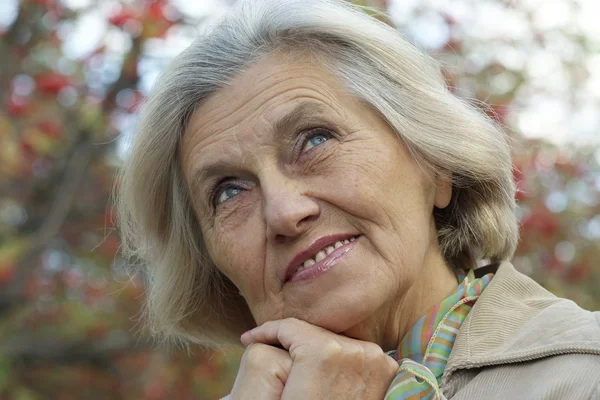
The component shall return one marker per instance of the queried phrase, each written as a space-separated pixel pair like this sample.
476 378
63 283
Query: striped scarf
424 351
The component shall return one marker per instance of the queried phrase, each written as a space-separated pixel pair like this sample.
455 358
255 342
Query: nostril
280 238
289 216
307 219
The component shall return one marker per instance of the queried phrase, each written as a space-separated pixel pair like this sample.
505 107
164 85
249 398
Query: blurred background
72 74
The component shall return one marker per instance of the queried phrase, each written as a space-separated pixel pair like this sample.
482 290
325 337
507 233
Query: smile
324 253
323 260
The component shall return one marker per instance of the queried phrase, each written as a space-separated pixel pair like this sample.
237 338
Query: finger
392 365
283 331
263 373
267 359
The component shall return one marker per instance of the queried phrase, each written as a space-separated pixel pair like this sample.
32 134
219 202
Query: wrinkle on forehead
251 103
264 79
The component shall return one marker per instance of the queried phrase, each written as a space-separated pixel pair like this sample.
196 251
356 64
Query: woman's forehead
258 110
267 96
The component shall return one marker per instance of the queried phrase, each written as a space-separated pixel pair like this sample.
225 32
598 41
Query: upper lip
312 250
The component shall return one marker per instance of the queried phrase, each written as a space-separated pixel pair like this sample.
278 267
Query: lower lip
325 264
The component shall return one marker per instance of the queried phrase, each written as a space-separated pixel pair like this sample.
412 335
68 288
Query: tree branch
73 174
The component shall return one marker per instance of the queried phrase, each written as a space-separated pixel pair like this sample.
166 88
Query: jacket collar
516 320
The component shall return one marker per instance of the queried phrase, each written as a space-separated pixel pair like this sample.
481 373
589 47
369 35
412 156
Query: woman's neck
388 326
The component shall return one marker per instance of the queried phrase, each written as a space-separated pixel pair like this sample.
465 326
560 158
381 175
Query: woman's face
282 164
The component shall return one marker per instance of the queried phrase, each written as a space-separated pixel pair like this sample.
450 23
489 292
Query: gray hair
187 296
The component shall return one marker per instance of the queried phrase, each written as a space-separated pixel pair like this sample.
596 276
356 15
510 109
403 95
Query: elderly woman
304 183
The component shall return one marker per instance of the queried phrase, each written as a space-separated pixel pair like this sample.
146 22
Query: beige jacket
522 342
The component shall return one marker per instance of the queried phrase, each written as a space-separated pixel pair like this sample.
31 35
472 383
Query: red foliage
73 277
51 128
52 82
155 390
27 151
46 3
579 272
95 292
540 221
17 106
206 372
155 11
7 273
36 285
122 17
98 331
520 183
553 265
109 246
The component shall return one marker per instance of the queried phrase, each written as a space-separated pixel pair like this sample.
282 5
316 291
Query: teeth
320 255
324 253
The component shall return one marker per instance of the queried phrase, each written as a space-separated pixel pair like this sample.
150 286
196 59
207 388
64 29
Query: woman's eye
227 194
315 140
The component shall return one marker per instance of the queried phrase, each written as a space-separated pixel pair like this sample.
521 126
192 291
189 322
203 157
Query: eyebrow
303 113
299 115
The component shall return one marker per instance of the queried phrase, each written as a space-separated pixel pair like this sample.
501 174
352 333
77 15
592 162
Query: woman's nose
288 211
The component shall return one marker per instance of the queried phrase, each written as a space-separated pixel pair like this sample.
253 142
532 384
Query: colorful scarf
424 351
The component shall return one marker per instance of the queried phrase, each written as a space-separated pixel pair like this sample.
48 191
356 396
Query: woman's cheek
244 248
232 229
235 212
320 160
231 258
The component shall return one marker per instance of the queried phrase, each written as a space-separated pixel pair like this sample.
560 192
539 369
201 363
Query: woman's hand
263 373
326 365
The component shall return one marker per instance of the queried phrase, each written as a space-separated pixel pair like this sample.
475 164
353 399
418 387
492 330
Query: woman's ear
443 192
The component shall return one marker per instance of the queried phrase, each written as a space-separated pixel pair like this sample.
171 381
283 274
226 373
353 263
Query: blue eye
315 141
227 194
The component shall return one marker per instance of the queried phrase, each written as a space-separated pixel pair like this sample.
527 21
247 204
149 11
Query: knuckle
372 351
255 355
331 350
374 355
262 359
355 354
392 365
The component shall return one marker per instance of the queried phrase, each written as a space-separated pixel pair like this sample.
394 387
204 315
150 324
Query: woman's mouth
324 260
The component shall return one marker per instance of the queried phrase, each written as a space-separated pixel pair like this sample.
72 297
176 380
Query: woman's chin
339 300
338 314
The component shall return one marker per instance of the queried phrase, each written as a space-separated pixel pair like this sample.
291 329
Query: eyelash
311 133
223 184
